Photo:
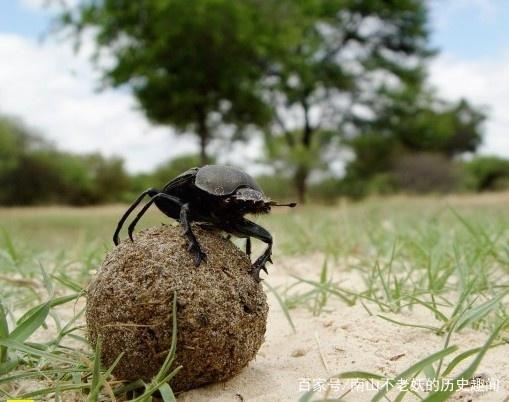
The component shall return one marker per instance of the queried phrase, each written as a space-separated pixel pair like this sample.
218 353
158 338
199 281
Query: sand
341 339
344 339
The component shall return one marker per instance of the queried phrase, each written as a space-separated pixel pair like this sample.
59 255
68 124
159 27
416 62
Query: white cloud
52 89
483 82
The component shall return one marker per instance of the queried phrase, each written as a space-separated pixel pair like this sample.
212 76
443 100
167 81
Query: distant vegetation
327 85
34 172
309 77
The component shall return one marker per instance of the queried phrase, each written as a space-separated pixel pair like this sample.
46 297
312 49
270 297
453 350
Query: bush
33 171
487 173
425 172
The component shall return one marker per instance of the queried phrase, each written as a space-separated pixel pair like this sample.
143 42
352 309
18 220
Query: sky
53 89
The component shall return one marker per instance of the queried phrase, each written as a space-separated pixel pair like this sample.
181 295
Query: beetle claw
255 273
258 266
199 255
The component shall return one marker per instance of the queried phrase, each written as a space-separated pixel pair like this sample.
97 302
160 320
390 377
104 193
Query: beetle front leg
248 247
246 228
194 245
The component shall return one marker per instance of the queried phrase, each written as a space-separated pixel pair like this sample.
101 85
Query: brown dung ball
221 309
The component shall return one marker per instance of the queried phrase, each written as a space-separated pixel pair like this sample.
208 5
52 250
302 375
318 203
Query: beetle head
250 201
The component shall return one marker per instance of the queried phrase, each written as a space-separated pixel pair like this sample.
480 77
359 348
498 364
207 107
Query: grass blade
101 379
9 247
413 370
162 377
469 372
30 323
434 329
68 283
286 312
4 333
167 393
361 374
55 357
96 373
479 311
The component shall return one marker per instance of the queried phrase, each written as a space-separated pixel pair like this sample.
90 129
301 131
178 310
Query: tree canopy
346 50
195 65
411 120
311 76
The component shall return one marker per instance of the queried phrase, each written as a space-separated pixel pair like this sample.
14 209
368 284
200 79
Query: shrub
488 173
425 172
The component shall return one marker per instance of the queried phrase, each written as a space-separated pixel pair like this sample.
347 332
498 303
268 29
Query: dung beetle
215 197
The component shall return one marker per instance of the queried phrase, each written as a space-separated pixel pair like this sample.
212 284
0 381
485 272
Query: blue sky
22 19
470 29
472 36
467 29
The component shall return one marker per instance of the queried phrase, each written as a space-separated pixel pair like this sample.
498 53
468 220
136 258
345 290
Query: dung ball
221 310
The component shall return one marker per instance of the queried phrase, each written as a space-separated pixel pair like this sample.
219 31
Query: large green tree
195 65
346 49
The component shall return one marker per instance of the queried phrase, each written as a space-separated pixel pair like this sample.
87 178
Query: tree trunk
302 172
301 176
203 132
203 148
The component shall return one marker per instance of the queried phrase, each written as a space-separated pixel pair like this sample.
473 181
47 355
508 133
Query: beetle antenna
291 204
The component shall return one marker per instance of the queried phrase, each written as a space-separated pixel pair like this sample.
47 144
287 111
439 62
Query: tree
193 64
413 137
33 171
345 49
488 173
421 122
412 120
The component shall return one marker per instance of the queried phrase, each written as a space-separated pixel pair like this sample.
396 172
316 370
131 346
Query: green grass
449 257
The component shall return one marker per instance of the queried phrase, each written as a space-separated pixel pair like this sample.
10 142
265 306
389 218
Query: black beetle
216 197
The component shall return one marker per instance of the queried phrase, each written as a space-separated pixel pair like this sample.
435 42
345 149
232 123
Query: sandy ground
344 339
341 339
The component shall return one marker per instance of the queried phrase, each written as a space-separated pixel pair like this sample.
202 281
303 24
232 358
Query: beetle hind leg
151 192
168 197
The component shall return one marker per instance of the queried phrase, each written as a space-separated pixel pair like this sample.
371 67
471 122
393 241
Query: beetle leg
207 226
151 192
194 246
246 228
248 247
147 206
